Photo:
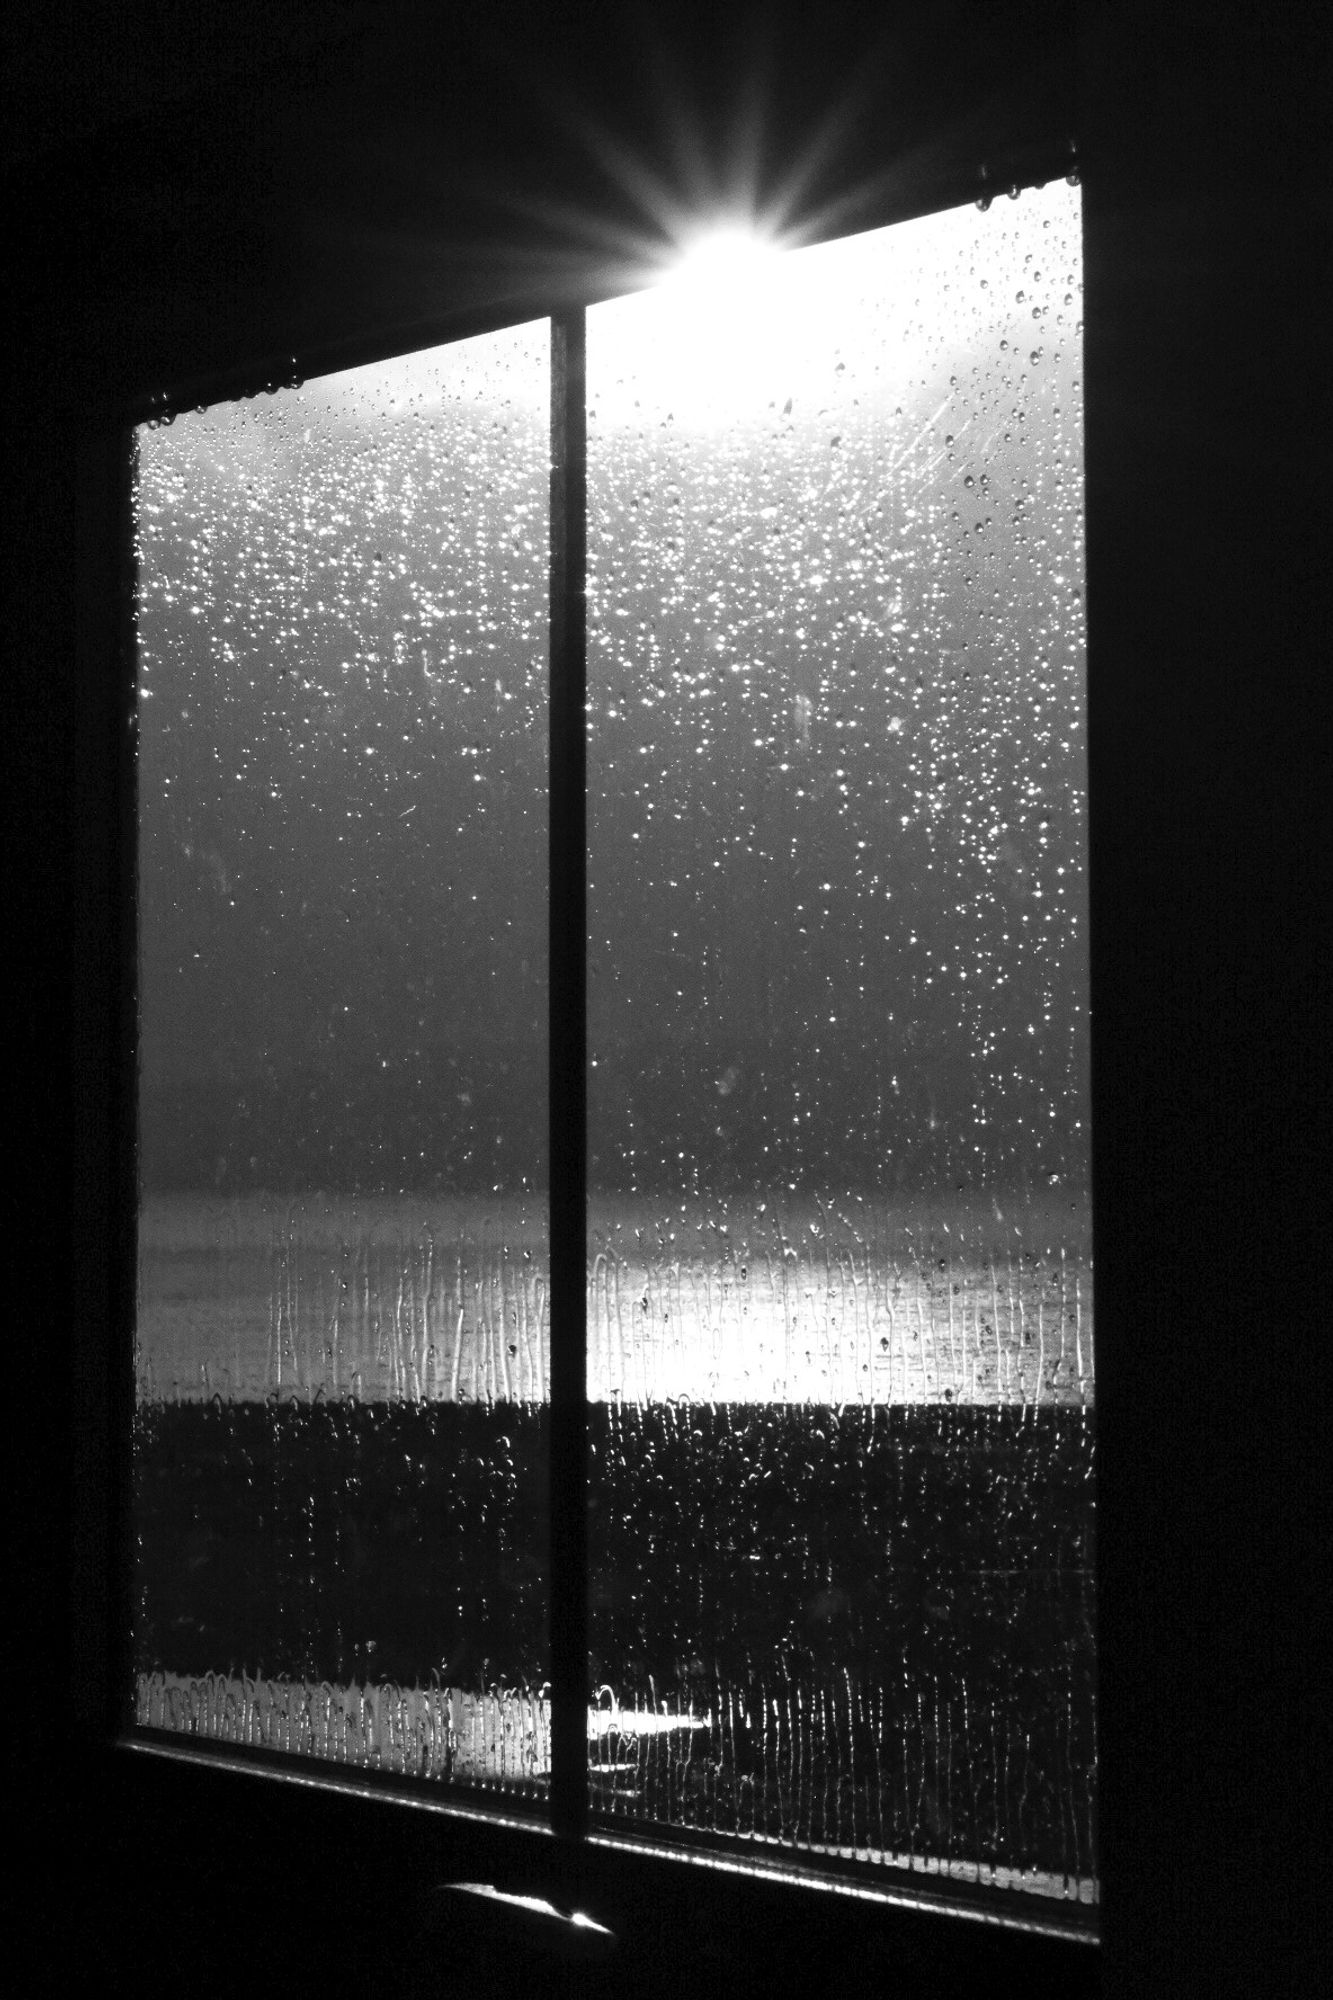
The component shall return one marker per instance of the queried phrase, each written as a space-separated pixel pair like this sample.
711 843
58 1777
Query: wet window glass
342 1334
840 1360
839 1326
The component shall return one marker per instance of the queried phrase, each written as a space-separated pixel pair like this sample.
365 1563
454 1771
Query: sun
706 335
742 326
726 262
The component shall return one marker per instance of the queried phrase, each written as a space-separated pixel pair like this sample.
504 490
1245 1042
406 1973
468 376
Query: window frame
1203 183
569 1826
105 868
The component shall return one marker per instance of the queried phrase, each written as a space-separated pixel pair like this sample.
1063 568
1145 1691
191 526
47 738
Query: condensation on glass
341 1351
840 1302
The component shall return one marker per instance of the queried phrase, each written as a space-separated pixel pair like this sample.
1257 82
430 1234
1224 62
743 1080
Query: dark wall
1207 629
316 191
437 158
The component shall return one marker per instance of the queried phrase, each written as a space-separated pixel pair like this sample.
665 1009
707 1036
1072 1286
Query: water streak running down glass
342 1329
840 1340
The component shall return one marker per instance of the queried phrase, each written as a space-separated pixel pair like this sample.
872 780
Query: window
838 1301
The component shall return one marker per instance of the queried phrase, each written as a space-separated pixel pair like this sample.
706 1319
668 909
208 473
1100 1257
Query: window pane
342 1337
840 1350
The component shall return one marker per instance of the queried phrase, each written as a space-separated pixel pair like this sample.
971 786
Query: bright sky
739 325
736 324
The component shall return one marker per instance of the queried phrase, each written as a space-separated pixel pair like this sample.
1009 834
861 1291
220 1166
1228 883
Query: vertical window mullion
568 1079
